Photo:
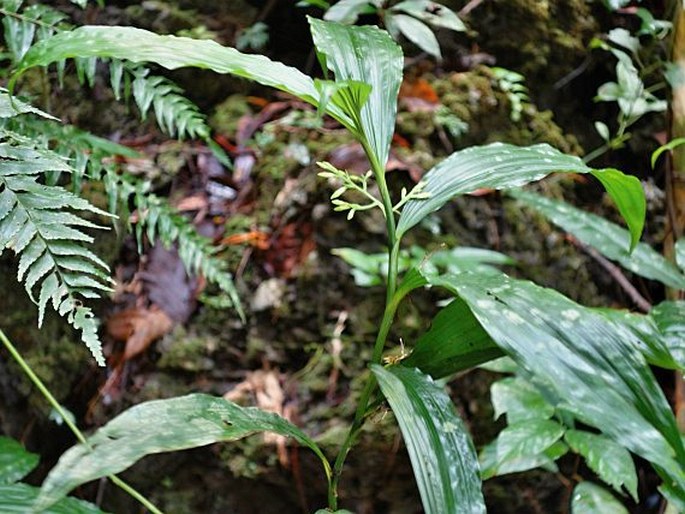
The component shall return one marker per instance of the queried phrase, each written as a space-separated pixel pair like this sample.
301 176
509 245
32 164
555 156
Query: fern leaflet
37 222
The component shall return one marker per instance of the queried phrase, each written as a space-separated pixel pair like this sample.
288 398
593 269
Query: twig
640 301
469 7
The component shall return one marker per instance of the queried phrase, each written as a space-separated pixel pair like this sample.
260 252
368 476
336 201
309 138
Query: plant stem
361 413
391 304
67 420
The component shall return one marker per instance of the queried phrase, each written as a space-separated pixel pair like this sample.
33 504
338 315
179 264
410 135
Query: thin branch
640 301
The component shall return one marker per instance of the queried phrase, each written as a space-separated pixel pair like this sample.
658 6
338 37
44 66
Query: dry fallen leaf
266 388
138 328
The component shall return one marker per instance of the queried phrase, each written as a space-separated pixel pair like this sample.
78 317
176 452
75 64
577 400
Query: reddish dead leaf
255 238
197 202
289 248
418 88
138 328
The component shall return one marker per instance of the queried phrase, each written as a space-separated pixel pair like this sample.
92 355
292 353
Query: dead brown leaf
138 328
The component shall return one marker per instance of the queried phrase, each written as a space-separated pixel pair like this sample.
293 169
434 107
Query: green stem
391 303
67 419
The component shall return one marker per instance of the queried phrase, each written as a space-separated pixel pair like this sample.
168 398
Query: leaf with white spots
504 166
606 237
581 361
589 498
610 461
441 452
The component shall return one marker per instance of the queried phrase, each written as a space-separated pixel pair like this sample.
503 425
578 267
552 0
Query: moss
180 351
543 39
477 98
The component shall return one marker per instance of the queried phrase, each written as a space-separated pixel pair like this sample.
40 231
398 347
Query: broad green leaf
326 511
606 237
15 461
171 52
610 461
582 361
431 12
365 54
417 32
503 166
347 11
441 452
519 400
491 466
528 437
589 498
456 341
669 317
19 498
160 426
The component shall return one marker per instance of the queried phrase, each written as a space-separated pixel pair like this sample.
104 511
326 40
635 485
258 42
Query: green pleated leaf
19 499
589 498
659 349
582 361
519 400
365 54
606 237
441 452
610 461
160 426
15 461
455 341
503 166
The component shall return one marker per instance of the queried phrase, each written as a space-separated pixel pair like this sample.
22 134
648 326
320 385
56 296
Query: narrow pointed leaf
171 52
503 166
160 426
431 12
589 498
365 54
441 452
581 361
610 461
606 237
15 461
456 341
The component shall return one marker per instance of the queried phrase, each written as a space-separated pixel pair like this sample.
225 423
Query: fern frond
158 220
37 222
176 115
